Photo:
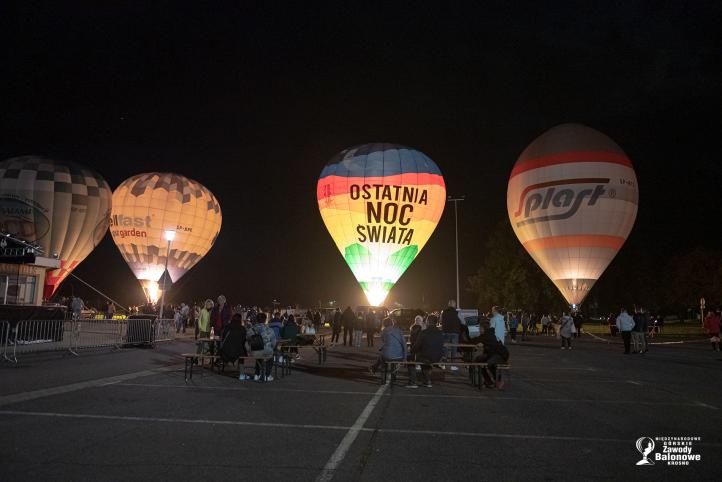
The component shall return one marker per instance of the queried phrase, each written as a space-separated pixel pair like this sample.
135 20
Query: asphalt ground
563 415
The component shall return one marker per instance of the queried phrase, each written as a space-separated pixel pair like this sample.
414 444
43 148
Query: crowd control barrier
19 338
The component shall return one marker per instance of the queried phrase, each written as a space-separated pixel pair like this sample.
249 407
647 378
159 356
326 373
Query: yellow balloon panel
572 201
380 203
145 206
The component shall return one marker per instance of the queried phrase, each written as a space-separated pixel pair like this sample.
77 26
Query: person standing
578 322
204 320
347 320
185 313
370 327
566 330
317 320
497 324
111 310
625 325
639 332
77 306
524 324
358 329
513 325
336 325
221 315
712 326
451 328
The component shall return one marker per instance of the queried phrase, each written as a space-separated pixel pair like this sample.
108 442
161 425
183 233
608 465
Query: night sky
253 98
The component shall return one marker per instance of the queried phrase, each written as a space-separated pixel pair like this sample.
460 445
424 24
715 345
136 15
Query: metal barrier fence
34 336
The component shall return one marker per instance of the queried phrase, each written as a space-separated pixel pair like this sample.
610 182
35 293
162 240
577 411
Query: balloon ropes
148 206
572 200
63 207
380 203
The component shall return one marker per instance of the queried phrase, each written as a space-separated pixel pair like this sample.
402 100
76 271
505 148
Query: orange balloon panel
62 206
572 201
145 206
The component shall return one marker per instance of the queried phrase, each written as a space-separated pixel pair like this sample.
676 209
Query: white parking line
355 427
480 396
73 387
339 454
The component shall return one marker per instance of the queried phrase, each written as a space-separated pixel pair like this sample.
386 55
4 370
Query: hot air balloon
61 206
380 203
145 206
572 201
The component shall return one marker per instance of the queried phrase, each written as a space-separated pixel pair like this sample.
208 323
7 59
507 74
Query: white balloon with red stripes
572 200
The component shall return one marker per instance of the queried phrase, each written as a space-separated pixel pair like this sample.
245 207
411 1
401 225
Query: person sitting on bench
393 345
427 349
233 340
494 353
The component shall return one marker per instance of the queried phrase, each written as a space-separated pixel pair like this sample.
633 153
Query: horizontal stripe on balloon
336 185
575 241
568 158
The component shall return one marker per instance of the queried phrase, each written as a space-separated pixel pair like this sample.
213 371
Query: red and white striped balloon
572 200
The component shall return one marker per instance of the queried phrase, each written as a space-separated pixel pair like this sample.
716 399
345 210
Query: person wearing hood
233 341
347 321
275 324
494 352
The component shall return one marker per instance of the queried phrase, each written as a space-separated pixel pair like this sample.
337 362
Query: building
22 271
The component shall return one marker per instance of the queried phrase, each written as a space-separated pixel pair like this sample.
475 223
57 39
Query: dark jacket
233 341
336 323
640 322
492 346
276 325
415 332
429 345
225 316
290 331
450 322
348 318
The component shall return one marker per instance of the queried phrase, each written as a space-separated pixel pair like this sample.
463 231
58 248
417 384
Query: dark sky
253 98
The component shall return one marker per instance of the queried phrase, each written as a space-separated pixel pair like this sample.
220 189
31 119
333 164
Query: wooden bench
320 349
196 358
199 358
391 367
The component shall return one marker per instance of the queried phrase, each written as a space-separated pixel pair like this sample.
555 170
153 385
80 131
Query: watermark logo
669 450
645 445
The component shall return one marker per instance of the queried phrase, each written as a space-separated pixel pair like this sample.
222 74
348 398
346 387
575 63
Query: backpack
256 341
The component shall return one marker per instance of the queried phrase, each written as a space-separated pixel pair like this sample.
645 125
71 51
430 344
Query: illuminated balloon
572 201
147 205
380 203
62 206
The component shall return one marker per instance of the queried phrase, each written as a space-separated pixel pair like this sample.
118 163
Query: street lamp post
456 200
169 236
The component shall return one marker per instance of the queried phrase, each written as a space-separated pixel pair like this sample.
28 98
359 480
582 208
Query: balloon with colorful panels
61 206
380 203
572 200
148 205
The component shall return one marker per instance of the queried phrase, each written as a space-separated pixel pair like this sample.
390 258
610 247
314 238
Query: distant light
169 235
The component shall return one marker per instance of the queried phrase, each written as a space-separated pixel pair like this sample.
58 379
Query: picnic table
210 342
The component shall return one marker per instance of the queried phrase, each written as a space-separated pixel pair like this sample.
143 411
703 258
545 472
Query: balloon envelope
62 206
572 200
145 206
380 203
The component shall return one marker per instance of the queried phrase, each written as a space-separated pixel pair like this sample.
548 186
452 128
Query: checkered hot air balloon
62 206
145 206
380 203
572 201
